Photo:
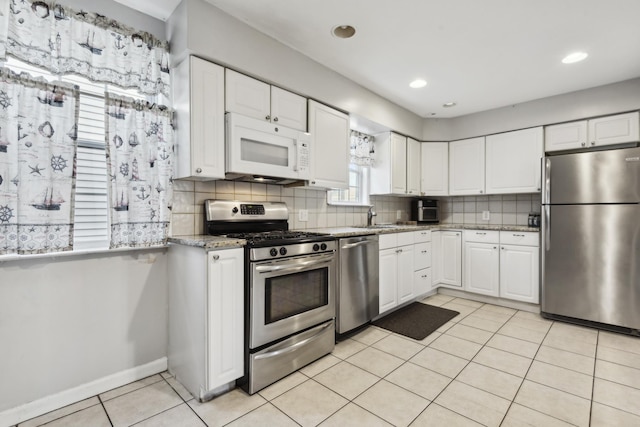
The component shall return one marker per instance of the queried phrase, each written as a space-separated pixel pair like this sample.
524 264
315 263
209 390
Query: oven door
290 295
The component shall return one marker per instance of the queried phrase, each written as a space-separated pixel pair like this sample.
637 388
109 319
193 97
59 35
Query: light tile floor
490 366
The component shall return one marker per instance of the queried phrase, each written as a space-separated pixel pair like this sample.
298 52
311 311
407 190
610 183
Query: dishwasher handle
356 244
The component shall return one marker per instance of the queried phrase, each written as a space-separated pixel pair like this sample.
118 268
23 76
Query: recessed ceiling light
449 104
418 83
574 57
343 31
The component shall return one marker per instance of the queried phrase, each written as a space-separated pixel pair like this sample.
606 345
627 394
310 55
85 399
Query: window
91 209
358 191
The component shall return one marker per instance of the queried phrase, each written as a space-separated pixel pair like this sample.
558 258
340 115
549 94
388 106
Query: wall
508 209
189 197
215 35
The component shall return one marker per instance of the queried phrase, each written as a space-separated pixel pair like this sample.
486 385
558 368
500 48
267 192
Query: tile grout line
104 408
593 382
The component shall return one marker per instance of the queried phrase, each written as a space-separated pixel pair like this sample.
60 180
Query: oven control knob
234 210
273 252
323 246
316 247
283 251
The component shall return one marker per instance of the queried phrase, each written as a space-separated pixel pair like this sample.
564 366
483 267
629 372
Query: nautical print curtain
361 146
139 140
38 132
66 41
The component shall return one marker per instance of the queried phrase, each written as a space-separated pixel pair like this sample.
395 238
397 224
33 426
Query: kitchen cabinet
481 273
467 166
609 130
329 129
447 258
434 168
519 262
253 98
206 318
513 161
389 170
413 167
422 262
396 270
198 98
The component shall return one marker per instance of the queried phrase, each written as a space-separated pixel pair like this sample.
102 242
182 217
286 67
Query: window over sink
358 192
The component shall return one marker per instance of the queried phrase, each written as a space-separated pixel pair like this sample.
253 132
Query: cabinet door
422 281
513 162
225 317
434 168
398 164
247 96
198 96
422 258
482 268
329 130
288 109
436 258
451 258
519 276
566 136
388 267
614 129
466 166
413 167
405 274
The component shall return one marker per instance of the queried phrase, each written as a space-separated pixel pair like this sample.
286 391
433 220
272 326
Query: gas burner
279 237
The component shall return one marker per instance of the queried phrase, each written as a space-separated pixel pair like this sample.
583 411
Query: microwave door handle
295 346
293 267
295 155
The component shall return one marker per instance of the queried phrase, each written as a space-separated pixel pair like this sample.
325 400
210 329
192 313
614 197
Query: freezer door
611 176
590 267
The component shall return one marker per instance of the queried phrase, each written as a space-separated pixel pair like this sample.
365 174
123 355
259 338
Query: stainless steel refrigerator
591 237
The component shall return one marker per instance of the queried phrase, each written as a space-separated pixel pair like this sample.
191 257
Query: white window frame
91 211
341 197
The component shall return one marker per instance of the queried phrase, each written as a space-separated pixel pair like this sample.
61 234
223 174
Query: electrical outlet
303 215
398 214
486 215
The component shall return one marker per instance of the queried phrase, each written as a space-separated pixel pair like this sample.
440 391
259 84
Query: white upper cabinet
389 171
618 129
329 131
198 97
434 169
466 166
513 161
413 167
253 98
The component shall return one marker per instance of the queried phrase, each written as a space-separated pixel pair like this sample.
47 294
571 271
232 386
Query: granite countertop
207 242
217 242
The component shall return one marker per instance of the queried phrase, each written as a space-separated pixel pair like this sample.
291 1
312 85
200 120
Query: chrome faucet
370 214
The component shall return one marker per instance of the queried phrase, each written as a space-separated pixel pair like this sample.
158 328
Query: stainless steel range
289 288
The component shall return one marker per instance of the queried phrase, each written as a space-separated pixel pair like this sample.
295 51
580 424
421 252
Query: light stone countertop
219 242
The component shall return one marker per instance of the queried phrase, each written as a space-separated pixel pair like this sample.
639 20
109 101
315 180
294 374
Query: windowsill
54 255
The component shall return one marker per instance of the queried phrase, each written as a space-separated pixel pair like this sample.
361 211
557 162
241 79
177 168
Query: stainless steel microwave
425 210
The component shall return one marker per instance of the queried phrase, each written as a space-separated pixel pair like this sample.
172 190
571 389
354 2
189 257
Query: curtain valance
361 148
63 41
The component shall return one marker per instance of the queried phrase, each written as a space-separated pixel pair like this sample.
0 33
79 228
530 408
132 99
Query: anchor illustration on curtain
141 181
36 164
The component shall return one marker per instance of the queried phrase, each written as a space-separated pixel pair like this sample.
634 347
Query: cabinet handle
481 191
593 143
481 234
495 247
275 119
216 257
583 144
398 251
199 170
518 235
502 248
424 252
267 117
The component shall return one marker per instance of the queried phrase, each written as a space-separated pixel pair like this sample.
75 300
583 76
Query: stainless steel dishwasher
357 294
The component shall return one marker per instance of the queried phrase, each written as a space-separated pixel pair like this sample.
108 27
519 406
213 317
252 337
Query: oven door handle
295 346
293 267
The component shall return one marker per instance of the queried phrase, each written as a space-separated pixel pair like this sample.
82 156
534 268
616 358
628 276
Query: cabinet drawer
422 281
422 256
387 241
422 236
482 236
405 238
519 238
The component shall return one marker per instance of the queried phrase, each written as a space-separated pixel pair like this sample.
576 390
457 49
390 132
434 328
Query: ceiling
479 54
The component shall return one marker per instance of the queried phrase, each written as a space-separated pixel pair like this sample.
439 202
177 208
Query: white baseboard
516 305
46 404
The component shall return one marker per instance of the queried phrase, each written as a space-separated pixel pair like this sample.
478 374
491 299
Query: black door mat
416 320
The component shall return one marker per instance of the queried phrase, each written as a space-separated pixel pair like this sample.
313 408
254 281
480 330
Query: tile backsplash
189 197
508 209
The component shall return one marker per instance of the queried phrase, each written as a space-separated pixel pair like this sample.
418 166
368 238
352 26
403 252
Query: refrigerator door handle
546 180
547 228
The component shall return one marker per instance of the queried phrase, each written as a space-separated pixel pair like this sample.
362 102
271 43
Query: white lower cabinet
396 273
450 258
481 273
519 262
206 318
